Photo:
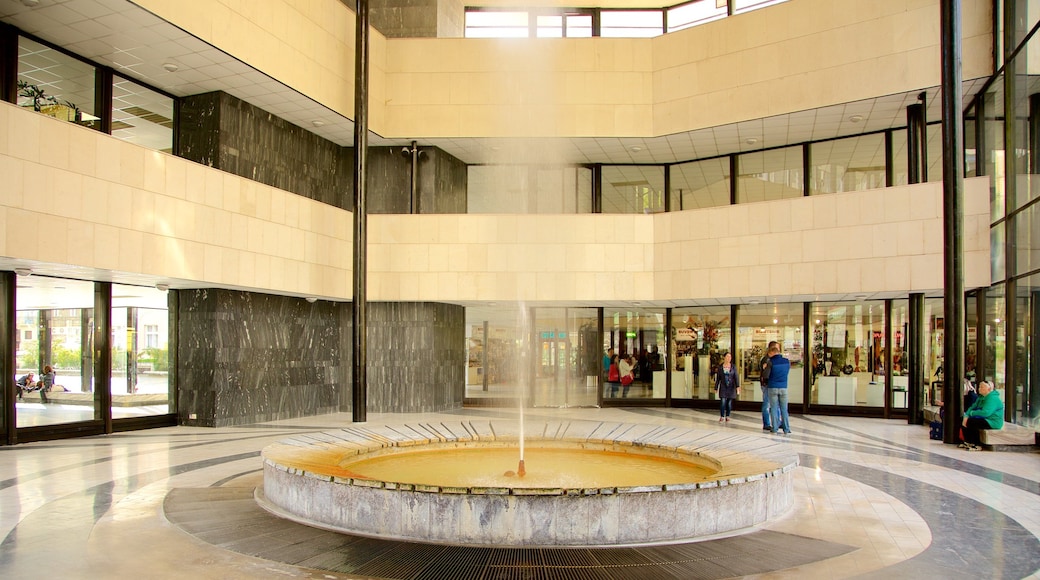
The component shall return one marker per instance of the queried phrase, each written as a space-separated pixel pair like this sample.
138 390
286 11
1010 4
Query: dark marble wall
245 357
229 134
442 183
416 357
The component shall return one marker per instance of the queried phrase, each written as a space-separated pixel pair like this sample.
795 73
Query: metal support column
953 217
916 138
360 306
103 354
8 360
915 392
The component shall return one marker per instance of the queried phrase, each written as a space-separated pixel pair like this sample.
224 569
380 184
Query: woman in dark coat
727 386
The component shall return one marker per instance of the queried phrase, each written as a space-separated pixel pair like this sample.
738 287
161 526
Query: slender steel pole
953 218
360 311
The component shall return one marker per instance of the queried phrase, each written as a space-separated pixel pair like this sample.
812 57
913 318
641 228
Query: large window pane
758 326
494 338
141 115
694 13
700 184
993 141
848 353
1027 344
631 23
996 252
567 355
140 382
700 338
55 84
633 189
933 349
747 5
1027 83
55 332
520 189
852 164
497 24
770 175
971 168
639 334
995 326
1027 239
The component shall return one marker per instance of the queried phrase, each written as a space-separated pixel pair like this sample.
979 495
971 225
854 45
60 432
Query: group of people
27 383
620 371
775 368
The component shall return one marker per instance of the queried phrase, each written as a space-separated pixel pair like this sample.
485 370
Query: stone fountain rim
698 448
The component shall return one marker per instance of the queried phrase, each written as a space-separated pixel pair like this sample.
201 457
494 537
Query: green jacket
990 408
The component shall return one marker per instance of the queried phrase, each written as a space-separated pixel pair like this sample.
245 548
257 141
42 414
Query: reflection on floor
910 507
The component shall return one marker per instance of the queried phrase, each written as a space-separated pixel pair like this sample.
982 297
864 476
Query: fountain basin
723 483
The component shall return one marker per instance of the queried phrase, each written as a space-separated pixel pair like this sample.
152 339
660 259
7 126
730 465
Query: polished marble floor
908 506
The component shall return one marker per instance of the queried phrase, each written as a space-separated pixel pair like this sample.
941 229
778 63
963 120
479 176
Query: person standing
763 367
779 368
987 412
613 375
626 367
727 386
47 378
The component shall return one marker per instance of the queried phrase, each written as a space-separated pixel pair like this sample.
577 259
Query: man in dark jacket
779 368
763 367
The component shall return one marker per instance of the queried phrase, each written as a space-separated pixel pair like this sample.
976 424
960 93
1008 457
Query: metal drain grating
207 512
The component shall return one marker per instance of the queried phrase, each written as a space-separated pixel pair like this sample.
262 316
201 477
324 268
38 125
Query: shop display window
701 336
848 353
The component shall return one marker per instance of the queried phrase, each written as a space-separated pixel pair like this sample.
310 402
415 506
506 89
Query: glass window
521 189
933 348
59 313
900 163
1027 239
935 166
568 359
633 189
141 115
996 252
993 141
140 352
497 24
758 325
55 84
694 13
852 164
579 26
900 332
700 337
1025 187
748 5
638 337
631 23
995 338
770 175
1027 12
970 155
549 26
848 353
1026 378
700 184
494 337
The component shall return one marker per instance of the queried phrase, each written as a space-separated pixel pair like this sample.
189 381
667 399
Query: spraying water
524 369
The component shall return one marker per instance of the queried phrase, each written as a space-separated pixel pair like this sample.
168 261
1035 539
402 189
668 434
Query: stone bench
1010 438
87 399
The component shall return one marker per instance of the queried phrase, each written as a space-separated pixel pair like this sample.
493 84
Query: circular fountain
587 483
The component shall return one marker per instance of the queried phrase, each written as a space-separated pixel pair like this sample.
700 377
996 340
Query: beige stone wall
75 200
790 57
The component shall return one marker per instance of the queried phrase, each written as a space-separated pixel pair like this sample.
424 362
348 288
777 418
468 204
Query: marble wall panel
248 357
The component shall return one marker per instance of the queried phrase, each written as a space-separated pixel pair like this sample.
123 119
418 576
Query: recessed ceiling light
635 149
170 67
318 123
23 271
31 3
856 118
751 140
